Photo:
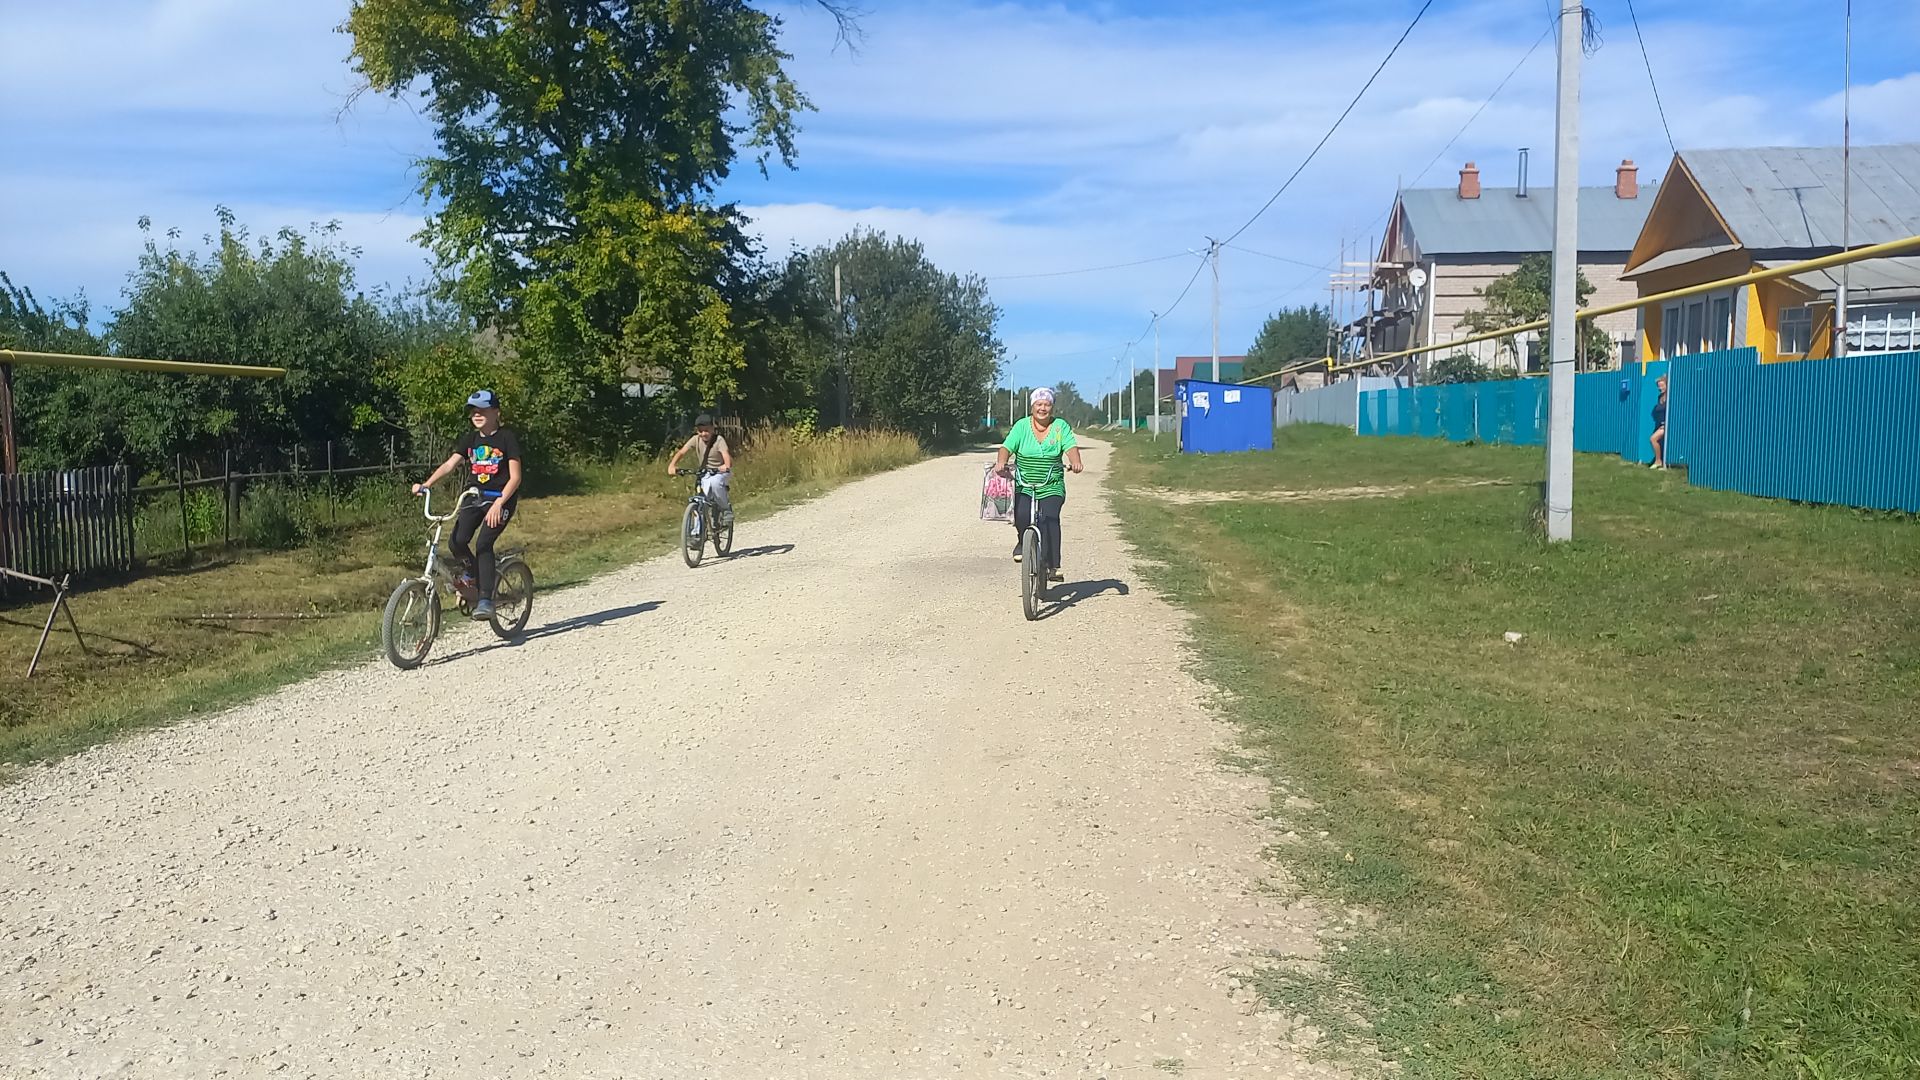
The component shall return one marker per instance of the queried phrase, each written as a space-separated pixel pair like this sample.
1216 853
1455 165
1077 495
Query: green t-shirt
1037 463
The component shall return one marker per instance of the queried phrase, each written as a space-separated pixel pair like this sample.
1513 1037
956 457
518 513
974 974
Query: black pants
1049 523
472 525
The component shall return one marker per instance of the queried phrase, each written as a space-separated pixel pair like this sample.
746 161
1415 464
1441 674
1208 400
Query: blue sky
1011 138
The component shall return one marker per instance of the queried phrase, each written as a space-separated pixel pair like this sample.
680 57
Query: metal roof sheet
1873 278
1443 223
1786 198
1677 257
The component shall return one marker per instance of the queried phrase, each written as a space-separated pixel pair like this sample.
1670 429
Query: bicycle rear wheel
1033 576
722 538
693 542
411 622
512 600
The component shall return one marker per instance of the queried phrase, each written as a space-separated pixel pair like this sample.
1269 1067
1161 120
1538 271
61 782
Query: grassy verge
1673 831
161 662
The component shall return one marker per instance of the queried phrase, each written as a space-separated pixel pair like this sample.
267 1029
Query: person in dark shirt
1659 438
490 459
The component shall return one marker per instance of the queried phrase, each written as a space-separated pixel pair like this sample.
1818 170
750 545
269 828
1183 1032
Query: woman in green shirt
1037 445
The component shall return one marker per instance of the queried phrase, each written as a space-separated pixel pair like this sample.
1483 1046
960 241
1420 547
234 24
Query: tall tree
580 143
919 343
1288 336
1522 296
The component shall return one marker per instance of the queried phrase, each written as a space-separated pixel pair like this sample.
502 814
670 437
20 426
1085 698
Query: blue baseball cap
482 399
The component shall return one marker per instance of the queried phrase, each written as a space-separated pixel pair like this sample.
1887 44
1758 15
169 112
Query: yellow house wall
1724 265
1774 298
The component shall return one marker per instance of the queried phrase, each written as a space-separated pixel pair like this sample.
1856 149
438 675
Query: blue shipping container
1221 418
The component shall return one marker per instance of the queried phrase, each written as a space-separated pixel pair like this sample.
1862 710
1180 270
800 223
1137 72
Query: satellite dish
1416 277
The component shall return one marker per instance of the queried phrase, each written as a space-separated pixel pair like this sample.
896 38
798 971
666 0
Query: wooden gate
75 521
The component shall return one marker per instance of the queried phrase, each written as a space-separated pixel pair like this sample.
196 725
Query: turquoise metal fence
1843 431
1824 431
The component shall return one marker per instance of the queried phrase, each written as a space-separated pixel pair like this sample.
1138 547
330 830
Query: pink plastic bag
996 497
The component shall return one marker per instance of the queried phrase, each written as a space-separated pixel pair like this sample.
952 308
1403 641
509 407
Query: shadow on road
564 626
756 552
1062 597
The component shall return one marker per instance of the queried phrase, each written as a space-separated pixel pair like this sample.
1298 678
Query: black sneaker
483 611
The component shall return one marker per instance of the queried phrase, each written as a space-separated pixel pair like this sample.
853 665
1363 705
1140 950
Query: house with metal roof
1723 213
1443 245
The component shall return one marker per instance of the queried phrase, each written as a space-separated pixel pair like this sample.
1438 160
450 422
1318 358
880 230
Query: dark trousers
472 526
1050 507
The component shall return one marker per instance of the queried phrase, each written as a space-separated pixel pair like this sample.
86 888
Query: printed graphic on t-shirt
487 462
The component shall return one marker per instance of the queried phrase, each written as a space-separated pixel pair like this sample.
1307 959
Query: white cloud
1009 139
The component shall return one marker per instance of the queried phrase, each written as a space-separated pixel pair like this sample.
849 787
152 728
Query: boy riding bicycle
716 465
490 455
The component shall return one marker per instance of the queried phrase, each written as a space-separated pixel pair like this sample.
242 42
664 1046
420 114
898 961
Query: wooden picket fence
74 521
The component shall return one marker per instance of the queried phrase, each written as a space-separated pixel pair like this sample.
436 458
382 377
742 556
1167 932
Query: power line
1087 269
1483 107
1336 124
1650 80
1279 258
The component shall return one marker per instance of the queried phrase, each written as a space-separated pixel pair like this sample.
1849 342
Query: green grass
1673 832
159 664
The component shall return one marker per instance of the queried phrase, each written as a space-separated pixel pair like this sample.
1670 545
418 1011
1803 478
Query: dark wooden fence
77 521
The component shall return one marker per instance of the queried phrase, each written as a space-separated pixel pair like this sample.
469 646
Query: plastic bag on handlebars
996 497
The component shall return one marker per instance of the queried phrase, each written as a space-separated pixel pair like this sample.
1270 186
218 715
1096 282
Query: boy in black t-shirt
490 459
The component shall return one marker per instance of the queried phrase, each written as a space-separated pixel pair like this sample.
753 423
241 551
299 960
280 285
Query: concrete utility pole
1566 259
1156 373
1213 253
1133 397
1846 197
840 334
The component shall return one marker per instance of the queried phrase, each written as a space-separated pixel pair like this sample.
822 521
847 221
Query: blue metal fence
1827 431
1843 431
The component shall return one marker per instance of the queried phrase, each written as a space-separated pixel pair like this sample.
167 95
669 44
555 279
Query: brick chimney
1626 180
1470 182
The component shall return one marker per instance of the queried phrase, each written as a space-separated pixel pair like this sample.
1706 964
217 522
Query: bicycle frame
434 575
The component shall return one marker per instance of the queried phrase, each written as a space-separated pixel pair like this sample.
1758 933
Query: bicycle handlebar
459 504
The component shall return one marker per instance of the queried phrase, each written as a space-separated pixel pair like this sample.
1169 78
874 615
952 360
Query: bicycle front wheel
411 622
693 541
1033 576
512 600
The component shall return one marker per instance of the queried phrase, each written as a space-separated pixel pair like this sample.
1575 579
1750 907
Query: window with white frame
1697 325
1670 331
1884 327
1796 330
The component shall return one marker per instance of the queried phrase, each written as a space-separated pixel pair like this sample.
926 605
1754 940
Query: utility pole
1846 196
1566 257
1213 252
1133 397
840 333
1156 373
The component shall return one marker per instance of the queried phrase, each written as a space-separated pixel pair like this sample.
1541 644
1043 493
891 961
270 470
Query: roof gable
1790 198
1681 217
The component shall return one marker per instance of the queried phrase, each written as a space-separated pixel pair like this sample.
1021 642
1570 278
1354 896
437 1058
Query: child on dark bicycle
490 456
715 460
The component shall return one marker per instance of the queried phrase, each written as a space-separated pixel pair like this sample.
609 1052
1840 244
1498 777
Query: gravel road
829 809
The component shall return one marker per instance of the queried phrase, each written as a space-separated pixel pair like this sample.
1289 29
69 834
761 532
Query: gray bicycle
1033 549
700 524
412 619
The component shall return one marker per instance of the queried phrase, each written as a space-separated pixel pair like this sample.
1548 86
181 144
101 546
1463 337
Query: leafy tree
580 143
1288 336
1077 411
919 342
1524 296
287 301
47 401
1462 368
